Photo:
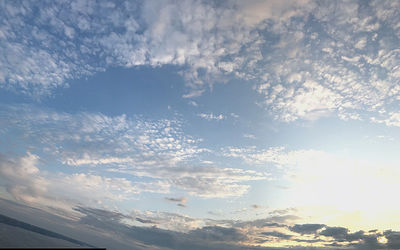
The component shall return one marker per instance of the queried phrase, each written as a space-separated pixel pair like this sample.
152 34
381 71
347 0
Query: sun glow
382 240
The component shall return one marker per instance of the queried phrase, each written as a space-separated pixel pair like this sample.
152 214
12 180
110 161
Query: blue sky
196 114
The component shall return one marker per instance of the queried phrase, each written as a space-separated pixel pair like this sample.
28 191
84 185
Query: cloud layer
307 59
150 156
152 230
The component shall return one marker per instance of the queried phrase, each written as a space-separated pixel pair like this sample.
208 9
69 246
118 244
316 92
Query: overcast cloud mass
203 124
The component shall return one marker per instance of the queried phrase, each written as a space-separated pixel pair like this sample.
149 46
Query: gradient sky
276 120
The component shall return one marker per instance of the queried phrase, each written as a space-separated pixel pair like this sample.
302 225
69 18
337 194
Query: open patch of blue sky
204 113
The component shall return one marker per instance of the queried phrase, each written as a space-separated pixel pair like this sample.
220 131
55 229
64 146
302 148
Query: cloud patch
26 182
159 150
211 116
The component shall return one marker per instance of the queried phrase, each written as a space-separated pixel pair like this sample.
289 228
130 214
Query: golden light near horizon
318 178
382 240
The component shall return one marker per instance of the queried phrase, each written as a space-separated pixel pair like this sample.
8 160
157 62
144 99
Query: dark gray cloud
338 233
277 235
274 221
180 200
106 228
393 239
306 228
145 221
283 218
68 225
102 214
274 225
281 212
342 234
216 233
22 225
360 235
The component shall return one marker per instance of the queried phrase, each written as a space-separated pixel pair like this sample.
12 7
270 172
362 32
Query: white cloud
205 37
392 119
193 103
26 182
80 42
211 116
169 221
345 67
202 181
249 136
341 62
97 139
273 156
158 150
310 101
21 177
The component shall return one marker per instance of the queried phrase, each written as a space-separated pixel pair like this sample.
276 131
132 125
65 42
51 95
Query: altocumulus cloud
325 59
158 150
67 40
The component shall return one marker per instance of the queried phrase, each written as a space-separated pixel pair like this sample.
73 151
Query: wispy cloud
202 181
211 116
180 201
193 103
249 136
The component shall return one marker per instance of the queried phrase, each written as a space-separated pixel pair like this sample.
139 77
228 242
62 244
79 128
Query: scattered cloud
180 201
322 60
391 120
202 181
80 42
211 116
193 103
158 150
272 155
249 136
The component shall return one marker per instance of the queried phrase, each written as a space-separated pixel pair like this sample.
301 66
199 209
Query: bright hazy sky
270 123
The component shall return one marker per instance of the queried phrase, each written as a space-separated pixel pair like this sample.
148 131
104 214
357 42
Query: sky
215 123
